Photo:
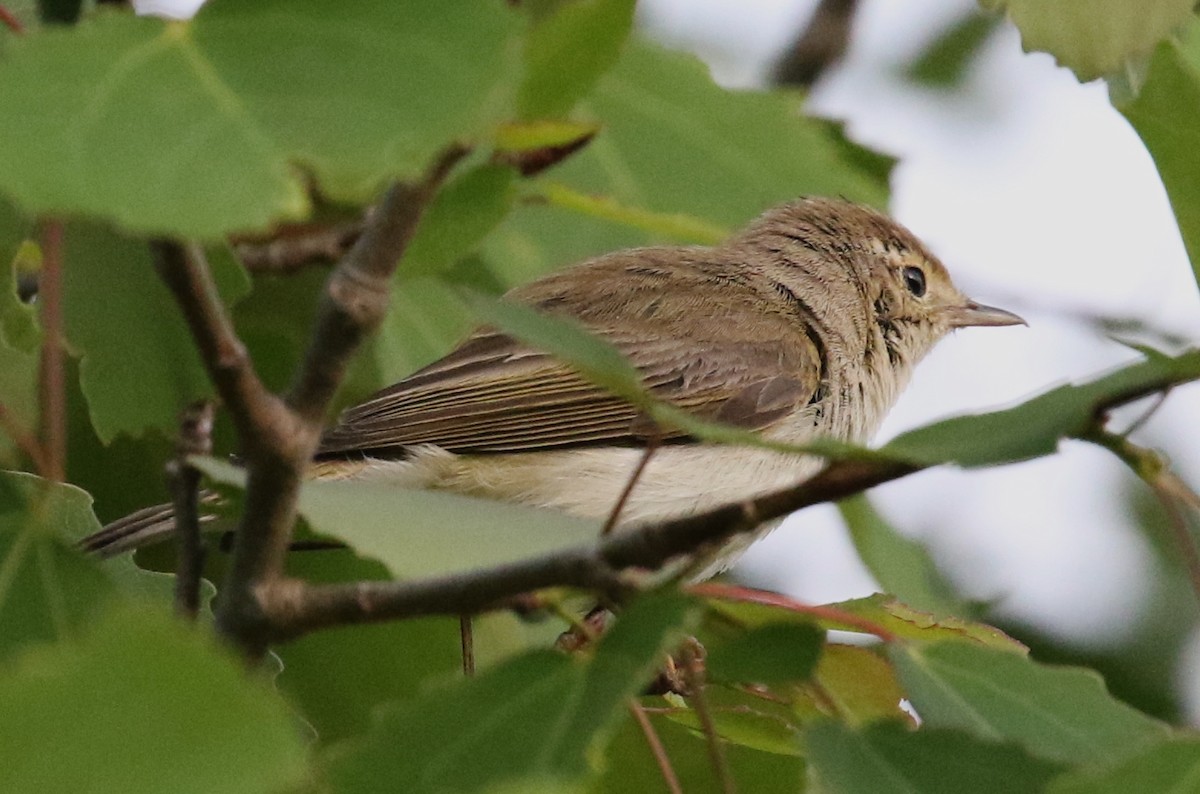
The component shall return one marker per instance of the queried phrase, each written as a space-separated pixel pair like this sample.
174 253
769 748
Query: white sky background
1039 198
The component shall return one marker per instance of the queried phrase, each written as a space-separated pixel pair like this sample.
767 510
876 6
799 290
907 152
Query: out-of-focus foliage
584 138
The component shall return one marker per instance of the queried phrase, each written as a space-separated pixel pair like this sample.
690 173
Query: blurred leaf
143 704
1171 765
1058 713
1166 114
419 533
945 61
48 590
126 328
743 718
524 136
675 144
537 716
889 758
568 51
338 678
902 566
672 226
20 338
1094 37
880 610
768 654
1035 427
149 123
631 767
458 219
857 686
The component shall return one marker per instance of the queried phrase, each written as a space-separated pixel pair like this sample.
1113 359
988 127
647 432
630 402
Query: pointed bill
972 314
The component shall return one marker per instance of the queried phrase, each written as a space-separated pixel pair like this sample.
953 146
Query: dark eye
914 279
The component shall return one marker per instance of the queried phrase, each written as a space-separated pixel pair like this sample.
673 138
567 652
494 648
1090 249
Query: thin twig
296 609
819 612
278 437
356 295
26 441
821 44
195 438
1140 422
467 637
656 747
53 379
627 491
693 666
11 21
1168 488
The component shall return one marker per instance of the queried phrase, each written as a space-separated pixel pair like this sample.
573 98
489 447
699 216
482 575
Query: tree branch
295 608
278 436
821 44
195 438
52 377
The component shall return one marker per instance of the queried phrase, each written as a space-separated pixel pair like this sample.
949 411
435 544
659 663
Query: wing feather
494 394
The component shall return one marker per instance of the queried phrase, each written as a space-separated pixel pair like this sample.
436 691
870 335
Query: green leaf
856 685
458 219
889 758
48 590
338 678
1166 114
742 717
902 566
150 123
419 533
1035 427
631 765
1094 37
945 61
1058 713
772 653
1172 765
568 51
20 336
129 333
537 716
93 715
676 145
878 610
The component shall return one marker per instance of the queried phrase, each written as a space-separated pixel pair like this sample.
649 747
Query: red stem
53 383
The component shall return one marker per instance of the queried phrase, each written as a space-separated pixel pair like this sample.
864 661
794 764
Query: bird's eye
914 279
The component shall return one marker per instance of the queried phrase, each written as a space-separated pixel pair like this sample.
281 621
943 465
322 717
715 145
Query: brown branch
195 438
278 437
356 295
10 20
293 248
692 658
615 514
295 608
53 378
821 44
1170 491
656 748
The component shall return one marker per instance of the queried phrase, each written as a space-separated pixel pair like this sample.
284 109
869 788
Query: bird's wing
494 394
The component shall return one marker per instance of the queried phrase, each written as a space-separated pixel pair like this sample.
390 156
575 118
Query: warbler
805 324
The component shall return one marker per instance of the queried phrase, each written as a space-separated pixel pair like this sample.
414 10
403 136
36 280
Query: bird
806 324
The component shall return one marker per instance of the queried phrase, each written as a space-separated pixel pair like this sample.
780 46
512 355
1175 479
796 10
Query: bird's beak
972 313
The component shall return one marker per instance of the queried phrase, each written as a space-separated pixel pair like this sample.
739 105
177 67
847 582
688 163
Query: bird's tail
147 526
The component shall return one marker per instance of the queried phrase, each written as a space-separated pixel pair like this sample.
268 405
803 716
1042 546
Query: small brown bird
805 324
